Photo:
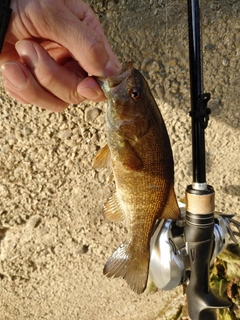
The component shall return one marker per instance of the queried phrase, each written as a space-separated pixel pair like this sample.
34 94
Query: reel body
169 259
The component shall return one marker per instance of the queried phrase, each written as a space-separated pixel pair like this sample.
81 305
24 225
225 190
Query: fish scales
142 163
132 184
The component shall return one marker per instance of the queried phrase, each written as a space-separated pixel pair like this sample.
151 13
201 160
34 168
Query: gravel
54 237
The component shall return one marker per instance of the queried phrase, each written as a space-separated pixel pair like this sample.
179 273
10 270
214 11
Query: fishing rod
199 228
182 251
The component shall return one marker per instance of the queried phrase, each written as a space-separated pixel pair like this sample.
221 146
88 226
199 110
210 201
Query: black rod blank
198 139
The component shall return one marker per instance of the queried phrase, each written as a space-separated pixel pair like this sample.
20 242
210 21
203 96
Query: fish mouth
120 76
108 84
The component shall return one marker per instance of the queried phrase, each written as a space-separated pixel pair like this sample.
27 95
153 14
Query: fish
139 152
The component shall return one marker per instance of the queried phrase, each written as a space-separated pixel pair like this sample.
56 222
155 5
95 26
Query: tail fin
124 265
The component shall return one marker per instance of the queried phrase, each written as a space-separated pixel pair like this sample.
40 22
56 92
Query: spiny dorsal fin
171 209
102 158
112 209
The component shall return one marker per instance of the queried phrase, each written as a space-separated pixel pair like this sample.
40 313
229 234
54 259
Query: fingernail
88 93
27 51
111 69
14 74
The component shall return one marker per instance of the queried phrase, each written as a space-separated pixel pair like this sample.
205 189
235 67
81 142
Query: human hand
65 42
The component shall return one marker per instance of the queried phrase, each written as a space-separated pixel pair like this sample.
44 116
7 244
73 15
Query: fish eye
135 94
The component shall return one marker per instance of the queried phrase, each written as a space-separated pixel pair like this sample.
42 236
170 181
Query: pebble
225 62
27 131
237 40
4 115
159 91
167 84
150 65
65 134
235 83
82 250
181 175
91 113
209 47
214 103
33 221
218 89
110 5
172 63
175 84
153 66
69 163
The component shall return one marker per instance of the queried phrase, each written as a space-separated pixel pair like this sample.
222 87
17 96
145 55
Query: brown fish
141 158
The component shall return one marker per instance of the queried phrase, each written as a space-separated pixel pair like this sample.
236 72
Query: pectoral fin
130 158
112 209
102 158
171 209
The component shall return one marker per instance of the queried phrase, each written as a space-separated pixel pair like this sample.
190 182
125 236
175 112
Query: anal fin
112 209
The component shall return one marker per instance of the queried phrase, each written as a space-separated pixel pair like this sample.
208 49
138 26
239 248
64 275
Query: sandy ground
54 237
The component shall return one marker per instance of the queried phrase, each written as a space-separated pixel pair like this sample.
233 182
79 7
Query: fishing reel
170 257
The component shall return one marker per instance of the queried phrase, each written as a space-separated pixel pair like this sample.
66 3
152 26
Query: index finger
79 30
